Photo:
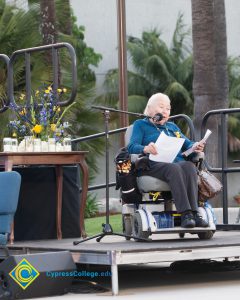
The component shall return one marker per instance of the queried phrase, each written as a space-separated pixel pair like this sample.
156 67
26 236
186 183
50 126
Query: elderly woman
181 175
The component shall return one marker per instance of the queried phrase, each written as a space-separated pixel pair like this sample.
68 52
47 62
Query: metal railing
224 155
27 67
119 130
6 101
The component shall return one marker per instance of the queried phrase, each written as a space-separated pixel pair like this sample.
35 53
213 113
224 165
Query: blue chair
9 193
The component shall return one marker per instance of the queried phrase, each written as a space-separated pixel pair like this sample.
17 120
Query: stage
114 251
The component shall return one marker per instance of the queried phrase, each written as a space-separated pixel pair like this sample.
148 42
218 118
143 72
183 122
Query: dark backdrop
35 217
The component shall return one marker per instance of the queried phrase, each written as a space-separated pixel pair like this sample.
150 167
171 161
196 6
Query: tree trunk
48 21
210 81
49 31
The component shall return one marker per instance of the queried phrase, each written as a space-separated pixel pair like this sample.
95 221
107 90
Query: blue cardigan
145 132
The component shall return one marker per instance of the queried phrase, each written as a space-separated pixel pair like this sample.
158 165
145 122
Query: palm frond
180 99
137 103
139 84
179 47
156 71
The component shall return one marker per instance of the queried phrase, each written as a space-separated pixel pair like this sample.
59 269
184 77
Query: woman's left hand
199 147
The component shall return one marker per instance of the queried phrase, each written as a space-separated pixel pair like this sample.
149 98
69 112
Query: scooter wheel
207 235
181 235
127 226
138 227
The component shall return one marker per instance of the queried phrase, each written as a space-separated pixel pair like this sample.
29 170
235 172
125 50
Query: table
59 159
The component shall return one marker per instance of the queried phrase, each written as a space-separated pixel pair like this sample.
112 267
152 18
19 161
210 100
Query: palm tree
48 21
143 81
156 68
210 82
15 34
82 119
234 102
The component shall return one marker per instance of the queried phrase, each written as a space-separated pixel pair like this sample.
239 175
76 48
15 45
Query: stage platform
114 250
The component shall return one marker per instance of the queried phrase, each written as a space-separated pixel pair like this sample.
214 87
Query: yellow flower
178 134
14 134
22 96
23 112
64 90
53 127
59 90
47 91
50 88
37 128
37 92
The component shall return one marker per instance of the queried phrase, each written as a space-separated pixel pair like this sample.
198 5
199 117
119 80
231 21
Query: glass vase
67 144
28 143
7 144
14 145
51 145
37 147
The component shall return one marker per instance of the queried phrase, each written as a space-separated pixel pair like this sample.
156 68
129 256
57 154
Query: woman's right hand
150 148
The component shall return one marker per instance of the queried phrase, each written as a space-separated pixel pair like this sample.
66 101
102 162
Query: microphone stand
107 228
104 108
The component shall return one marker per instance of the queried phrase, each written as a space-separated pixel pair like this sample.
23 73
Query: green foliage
156 68
14 28
92 206
159 68
234 102
84 121
15 34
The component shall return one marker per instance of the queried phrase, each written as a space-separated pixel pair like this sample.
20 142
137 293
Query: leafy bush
92 206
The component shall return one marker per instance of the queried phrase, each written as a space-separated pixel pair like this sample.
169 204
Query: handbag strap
200 164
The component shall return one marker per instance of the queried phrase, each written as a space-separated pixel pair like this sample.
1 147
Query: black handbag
126 177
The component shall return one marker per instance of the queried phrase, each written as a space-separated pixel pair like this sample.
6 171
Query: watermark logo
24 274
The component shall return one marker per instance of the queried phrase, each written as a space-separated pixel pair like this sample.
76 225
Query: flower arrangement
43 118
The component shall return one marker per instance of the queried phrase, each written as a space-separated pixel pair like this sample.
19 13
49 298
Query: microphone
157 118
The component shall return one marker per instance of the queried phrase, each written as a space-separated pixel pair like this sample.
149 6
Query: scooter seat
148 184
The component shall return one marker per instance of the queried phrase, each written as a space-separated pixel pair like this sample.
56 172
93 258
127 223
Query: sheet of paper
206 136
203 140
167 148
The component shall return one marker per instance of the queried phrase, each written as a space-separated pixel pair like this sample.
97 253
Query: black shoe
200 222
187 220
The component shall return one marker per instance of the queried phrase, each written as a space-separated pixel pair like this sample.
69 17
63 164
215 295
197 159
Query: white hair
153 101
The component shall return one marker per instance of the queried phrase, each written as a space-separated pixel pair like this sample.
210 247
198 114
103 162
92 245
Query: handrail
5 101
224 169
26 53
101 134
189 123
119 130
97 135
